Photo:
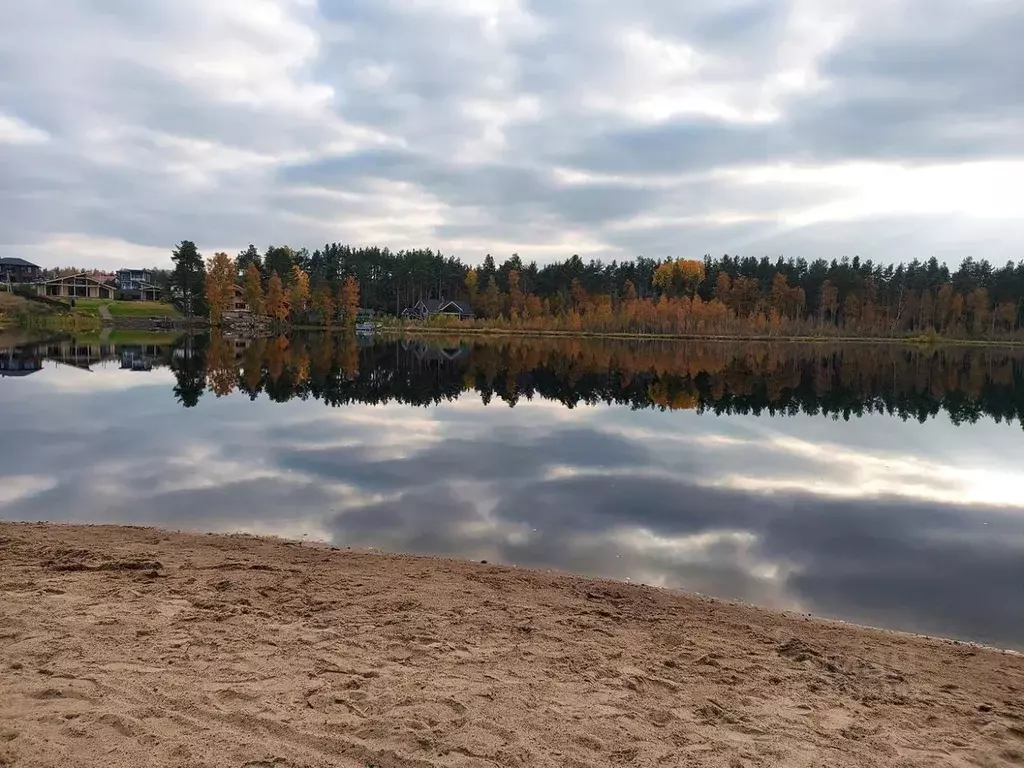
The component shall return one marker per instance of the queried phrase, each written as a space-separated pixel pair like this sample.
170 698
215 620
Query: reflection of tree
188 362
348 356
276 351
832 380
221 371
252 368
323 357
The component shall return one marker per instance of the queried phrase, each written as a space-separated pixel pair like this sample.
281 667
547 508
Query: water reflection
844 381
885 490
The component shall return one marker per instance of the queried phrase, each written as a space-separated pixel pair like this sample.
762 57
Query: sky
889 129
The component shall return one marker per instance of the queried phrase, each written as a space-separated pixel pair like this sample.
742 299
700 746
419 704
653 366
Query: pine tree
188 279
249 257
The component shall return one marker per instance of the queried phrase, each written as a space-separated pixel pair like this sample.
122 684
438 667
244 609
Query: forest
835 381
711 296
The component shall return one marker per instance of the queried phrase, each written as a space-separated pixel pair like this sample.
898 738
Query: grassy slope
14 309
127 308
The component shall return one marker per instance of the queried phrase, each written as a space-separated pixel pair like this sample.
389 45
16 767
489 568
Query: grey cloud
472 117
869 560
507 454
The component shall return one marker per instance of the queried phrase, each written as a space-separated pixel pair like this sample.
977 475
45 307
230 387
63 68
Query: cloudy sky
885 128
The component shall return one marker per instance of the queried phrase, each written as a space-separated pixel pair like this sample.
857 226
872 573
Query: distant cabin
238 302
426 308
137 285
13 270
134 279
80 286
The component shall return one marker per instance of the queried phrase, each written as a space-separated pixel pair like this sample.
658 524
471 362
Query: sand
141 647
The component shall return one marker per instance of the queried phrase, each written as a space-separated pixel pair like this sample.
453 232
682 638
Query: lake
873 483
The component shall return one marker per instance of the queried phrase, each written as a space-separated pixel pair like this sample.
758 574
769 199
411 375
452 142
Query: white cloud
15 131
805 127
17 487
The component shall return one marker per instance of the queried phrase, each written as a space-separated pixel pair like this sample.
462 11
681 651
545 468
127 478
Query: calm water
875 484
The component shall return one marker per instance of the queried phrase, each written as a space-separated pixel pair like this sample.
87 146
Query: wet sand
141 647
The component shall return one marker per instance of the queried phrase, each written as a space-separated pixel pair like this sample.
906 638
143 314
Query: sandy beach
141 647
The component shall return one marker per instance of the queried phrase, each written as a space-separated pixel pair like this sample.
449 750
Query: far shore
123 646
459 330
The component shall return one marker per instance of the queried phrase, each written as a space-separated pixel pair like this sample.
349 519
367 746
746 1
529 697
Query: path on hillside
105 315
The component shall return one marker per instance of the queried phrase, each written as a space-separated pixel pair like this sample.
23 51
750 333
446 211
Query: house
16 270
20 361
426 308
79 354
133 279
238 302
80 286
136 285
144 292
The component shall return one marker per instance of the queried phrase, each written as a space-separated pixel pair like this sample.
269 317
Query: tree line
827 380
723 295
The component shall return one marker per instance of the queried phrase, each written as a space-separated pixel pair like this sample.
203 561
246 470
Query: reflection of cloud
106 377
17 487
893 533
505 453
770 461
883 561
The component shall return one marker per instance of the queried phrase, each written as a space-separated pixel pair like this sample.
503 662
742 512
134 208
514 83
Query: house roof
13 261
77 275
446 305
460 306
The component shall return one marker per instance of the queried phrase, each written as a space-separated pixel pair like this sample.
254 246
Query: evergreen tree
188 279
250 256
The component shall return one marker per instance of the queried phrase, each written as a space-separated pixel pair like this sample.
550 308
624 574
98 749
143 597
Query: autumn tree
723 288
323 302
253 289
1006 316
220 286
516 299
348 300
274 304
490 301
979 309
944 307
828 304
679 276
299 290
472 279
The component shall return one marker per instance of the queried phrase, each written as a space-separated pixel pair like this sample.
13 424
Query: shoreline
455 331
127 646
